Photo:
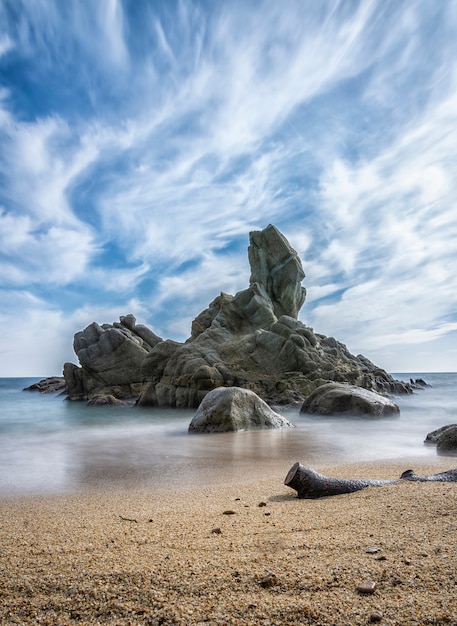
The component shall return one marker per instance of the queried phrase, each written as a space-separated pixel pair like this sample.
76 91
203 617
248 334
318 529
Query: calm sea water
48 444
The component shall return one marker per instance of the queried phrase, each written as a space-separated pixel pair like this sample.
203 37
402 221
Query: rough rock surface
111 358
48 385
337 398
231 409
436 434
445 439
252 340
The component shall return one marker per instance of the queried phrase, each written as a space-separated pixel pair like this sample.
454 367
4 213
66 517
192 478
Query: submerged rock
251 340
231 409
341 398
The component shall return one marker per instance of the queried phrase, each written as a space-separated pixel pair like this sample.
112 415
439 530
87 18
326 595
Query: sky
142 140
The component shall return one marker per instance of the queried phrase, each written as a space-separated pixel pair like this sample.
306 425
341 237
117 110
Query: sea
49 445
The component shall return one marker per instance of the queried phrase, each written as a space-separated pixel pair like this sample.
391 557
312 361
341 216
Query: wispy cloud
142 142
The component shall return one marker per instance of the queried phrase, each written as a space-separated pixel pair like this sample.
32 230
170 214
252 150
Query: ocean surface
50 445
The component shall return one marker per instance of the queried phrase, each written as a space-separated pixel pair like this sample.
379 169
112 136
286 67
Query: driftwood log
310 484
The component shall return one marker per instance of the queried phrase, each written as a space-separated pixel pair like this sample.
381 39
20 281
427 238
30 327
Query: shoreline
241 553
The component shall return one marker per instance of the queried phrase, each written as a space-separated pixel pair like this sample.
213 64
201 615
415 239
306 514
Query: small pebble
376 616
262 504
228 512
372 550
216 531
270 580
368 587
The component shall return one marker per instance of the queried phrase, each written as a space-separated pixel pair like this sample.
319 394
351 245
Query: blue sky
141 141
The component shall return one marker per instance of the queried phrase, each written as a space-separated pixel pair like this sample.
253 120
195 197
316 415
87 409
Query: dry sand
140 557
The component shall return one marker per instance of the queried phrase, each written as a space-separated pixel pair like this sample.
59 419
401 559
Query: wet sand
248 552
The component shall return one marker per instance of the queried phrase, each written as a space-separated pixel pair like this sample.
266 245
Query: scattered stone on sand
367 587
372 550
268 581
70 559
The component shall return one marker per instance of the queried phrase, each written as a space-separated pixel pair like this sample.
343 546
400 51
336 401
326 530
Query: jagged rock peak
251 340
276 266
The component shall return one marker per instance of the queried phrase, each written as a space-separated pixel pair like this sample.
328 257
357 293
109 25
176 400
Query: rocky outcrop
52 384
335 398
231 409
111 358
252 340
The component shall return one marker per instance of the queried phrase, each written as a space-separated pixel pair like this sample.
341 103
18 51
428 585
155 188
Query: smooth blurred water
48 444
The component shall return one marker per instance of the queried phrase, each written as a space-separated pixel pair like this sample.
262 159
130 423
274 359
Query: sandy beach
244 553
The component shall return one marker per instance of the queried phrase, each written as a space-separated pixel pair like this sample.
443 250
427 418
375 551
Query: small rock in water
368 587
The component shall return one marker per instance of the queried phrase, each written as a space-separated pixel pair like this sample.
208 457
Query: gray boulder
447 441
334 398
436 434
231 409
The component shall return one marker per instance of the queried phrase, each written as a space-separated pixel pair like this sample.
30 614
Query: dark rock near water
231 409
436 434
334 398
445 439
418 383
252 340
52 384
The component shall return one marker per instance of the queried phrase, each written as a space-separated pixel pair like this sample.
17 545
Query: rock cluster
251 340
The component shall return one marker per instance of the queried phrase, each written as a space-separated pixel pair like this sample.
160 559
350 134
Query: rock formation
251 340
231 409
337 398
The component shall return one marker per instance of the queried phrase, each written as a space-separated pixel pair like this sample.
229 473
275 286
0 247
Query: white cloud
40 339
337 123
